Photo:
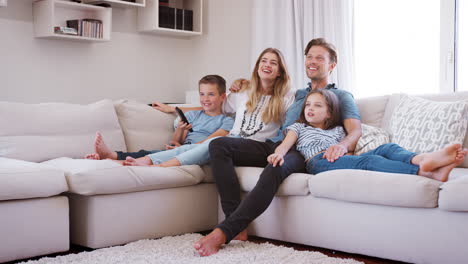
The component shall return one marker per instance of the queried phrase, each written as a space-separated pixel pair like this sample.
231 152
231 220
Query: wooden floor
331 253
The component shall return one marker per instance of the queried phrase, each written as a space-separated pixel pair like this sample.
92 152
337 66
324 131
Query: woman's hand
239 85
163 107
173 145
275 159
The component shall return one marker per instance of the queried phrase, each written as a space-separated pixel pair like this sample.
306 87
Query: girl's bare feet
102 149
144 161
440 158
442 173
93 156
211 243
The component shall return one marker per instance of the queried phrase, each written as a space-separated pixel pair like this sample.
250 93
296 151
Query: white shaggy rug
179 250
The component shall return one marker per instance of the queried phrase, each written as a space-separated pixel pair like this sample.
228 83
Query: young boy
207 124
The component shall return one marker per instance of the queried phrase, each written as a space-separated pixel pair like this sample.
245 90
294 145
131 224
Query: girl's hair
275 110
333 108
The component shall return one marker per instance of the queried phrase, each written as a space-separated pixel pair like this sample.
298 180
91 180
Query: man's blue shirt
348 108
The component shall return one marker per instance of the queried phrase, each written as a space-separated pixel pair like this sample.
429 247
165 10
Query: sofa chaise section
34 216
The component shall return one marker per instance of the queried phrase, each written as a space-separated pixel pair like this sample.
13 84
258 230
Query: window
397 47
462 42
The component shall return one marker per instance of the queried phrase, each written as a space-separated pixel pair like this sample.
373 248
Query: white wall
131 65
224 48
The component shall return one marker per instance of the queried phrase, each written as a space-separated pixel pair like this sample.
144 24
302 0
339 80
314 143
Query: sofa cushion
295 184
421 125
39 132
143 126
372 109
372 187
23 180
453 195
394 100
371 138
90 177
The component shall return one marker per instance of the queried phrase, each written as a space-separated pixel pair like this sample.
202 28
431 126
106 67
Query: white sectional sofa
42 178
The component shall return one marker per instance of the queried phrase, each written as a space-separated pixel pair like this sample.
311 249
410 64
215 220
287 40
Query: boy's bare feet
102 149
144 161
211 243
440 158
442 173
93 156
242 236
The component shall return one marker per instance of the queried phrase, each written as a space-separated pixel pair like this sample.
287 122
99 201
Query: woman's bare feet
93 156
442 173
144 161
211 243
102 149
242 236
440 158
170 163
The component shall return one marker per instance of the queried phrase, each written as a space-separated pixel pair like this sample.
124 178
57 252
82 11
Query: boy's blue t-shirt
204 125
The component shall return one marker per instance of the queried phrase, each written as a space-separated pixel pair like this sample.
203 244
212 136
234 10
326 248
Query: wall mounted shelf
48 14
117 3
149 18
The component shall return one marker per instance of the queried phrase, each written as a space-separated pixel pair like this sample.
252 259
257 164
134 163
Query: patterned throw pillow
421 125
371 138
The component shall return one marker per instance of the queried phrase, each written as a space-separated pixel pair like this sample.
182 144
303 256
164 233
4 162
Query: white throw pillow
421 125
371 138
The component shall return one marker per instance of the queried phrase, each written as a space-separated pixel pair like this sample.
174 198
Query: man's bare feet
242 236
440 158
442 173
102 149
144 161
93 156
211 243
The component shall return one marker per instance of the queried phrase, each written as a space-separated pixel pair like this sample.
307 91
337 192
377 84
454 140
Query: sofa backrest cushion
144 127
395 99
39 132
372 109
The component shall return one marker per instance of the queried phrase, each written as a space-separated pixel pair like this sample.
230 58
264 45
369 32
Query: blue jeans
386 158
191 154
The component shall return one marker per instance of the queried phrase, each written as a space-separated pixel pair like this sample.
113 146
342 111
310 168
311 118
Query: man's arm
353 130
218 133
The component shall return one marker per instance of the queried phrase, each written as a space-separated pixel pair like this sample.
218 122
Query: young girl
319 128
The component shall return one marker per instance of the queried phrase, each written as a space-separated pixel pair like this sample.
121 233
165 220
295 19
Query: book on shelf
88 27
65 31
179 18
164 2
175 18
188 20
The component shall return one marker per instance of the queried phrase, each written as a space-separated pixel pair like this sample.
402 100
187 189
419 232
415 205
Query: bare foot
144 161
440 158
102 149
211 243
442 173
242 236
170 163
121 162
93 156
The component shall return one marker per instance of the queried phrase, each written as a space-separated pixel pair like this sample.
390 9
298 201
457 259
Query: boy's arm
180 133
277 157
353 130
171 109
218 133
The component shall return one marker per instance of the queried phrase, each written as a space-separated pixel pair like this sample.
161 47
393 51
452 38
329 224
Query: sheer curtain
290 24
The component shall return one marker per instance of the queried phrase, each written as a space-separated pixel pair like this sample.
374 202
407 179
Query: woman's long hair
275 109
